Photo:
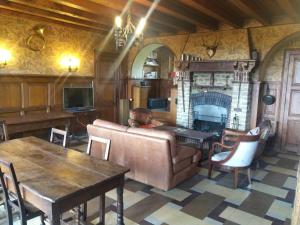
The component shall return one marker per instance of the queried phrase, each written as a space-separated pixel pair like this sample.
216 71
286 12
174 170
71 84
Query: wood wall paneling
28 93
272 112
10 93
255 104
109 85
37 94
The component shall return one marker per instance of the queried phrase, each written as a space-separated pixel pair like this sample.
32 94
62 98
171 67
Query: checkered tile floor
268 200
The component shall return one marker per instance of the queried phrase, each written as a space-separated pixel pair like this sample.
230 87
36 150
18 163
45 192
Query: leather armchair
230 136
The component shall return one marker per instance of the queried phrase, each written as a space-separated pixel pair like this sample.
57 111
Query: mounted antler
210 49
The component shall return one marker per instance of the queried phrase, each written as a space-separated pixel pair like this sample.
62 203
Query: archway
278 49
140 58
150 84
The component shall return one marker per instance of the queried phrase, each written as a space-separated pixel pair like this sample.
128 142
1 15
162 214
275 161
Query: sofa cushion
170 136
183 152
110 125
178 167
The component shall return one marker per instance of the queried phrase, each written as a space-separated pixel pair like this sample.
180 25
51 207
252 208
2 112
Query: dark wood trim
255 103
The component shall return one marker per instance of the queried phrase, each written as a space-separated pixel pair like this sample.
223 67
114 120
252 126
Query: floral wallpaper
234 45
60 41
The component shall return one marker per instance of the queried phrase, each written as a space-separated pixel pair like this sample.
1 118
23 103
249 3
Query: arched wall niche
272 65
141 56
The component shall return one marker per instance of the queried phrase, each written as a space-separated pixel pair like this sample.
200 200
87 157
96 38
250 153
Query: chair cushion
220 156
254 131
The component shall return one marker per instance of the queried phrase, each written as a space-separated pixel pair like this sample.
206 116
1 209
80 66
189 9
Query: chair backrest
92 140
9 177
63 133
244 152
3 131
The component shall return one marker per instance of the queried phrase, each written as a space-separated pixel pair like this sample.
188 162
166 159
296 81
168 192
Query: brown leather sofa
152 155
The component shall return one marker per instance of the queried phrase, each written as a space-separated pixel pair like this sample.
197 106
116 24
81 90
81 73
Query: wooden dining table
55 179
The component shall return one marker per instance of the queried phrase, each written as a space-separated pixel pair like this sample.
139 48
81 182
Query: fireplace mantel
240 88
241 68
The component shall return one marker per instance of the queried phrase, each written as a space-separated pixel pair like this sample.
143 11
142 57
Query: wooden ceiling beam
50 15
141 10
198 18
175 14
210 9
103 6
164 20
248 8
64 10
29 16
80 14
290 9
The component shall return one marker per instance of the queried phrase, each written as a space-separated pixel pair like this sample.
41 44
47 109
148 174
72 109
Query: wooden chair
59 132
105 141
237 156
14 199
3 131
105 155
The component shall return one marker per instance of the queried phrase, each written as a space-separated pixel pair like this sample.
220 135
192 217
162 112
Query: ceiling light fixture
129 32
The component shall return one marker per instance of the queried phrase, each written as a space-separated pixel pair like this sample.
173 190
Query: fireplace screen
210 111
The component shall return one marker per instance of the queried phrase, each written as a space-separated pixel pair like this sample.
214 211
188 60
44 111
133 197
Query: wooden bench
33 122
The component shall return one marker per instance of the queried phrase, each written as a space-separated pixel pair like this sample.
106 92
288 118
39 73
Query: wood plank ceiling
169 16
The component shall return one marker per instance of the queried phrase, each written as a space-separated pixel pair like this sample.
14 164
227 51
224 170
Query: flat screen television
78 98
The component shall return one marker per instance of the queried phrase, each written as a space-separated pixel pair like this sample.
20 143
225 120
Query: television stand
79 109
82 117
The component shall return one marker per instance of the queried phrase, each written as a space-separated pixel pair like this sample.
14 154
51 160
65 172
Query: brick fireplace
216 92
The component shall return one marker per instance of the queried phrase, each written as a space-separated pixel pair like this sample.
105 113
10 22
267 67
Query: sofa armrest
197 157
184 152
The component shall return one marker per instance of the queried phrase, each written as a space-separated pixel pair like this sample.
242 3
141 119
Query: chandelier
128 33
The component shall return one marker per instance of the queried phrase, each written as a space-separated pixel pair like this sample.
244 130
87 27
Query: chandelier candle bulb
118 22
140 26
128 33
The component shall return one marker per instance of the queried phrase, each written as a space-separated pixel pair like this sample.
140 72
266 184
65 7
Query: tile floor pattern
200 201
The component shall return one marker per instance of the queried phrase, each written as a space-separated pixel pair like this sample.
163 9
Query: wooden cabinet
140 96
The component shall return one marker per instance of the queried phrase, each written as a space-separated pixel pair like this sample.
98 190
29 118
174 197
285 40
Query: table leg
120 189
55 221
54 217
67 129
102 209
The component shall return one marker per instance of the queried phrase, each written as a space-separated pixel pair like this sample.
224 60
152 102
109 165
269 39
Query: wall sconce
5 56
70 62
